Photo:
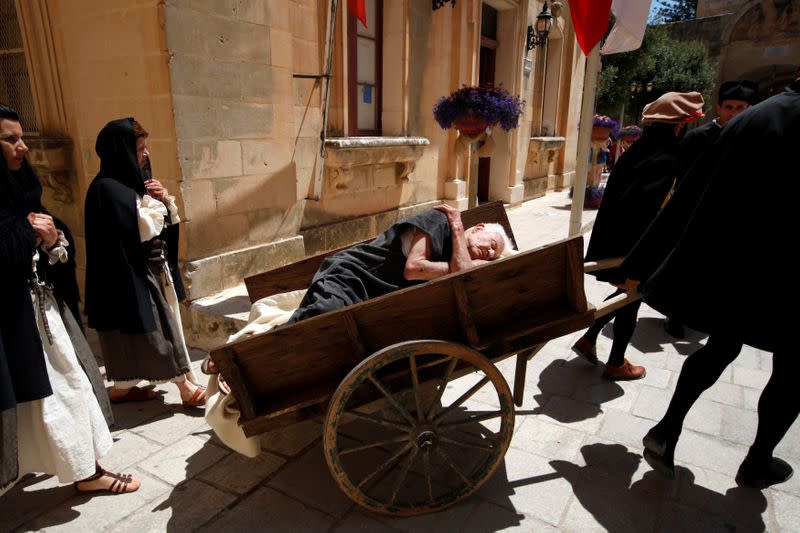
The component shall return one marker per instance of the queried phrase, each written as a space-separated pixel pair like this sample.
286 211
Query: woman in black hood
54 407
132 282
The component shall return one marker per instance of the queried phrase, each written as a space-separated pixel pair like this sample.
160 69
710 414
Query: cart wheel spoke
442 385
372 445
453 467
465 444
412 363
379 420
426 461
399 409
386 465
463 398
403 474
472 419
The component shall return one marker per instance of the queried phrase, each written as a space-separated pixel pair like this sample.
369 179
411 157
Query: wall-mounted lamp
440 3
544 23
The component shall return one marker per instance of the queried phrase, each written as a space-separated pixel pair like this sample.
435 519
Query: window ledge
545 145
369 162
374 142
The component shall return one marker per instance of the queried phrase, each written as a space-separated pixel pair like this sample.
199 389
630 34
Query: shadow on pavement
558 381
603 488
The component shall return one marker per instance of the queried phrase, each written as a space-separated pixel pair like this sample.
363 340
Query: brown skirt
158 355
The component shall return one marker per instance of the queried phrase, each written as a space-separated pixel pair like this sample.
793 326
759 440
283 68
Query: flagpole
584 140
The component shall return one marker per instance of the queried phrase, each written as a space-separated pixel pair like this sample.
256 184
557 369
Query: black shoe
659 454
760 475
674 328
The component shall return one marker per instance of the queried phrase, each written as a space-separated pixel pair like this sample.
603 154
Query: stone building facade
233 94
748 39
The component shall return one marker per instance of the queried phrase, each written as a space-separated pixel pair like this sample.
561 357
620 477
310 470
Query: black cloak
698 141
636 190
721 265
117 297
371 269
23 375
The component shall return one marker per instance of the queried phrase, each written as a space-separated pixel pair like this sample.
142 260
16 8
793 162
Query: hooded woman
55 411
132 282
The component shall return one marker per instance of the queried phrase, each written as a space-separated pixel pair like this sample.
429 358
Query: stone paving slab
574 463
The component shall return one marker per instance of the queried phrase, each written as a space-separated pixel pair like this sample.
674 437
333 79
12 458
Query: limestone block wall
243 128
111 61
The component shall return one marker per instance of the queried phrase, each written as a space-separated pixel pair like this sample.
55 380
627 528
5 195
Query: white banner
629 27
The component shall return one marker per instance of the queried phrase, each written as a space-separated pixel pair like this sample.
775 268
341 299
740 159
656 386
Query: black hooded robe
371 269
698 141
722 265
125 300
636 190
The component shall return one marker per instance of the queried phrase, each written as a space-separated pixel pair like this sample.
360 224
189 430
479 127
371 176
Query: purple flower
494 104
603 121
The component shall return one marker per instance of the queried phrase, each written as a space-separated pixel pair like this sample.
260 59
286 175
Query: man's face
483 244
729 109
142 151
14 148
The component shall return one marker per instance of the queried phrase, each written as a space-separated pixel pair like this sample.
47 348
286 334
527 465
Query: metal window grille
15 85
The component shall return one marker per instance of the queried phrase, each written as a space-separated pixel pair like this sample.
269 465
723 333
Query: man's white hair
508 246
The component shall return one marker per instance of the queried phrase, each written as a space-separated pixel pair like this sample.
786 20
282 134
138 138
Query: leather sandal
122 484
198 398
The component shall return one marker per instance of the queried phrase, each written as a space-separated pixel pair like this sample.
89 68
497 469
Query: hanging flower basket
630 133
470 124
473 109
602 126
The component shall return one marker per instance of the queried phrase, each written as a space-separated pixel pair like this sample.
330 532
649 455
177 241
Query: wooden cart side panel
489 212
511 302
531 282
576 295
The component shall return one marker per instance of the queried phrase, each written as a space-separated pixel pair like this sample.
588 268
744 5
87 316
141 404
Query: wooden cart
403 432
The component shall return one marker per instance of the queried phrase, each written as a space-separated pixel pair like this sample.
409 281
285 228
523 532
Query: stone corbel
404 169
545 145
52 160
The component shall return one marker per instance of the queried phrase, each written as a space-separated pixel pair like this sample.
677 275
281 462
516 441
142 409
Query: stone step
209 321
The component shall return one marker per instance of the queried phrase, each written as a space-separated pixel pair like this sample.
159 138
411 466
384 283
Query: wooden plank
464 313
576 296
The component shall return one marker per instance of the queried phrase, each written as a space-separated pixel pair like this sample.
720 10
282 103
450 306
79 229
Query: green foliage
674 11
670 65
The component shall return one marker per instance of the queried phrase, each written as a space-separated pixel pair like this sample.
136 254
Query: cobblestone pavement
574 463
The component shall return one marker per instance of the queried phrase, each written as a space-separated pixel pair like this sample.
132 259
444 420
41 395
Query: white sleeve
150 213
173 209
58 253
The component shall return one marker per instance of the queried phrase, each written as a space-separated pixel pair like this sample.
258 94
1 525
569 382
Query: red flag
359 10
590 18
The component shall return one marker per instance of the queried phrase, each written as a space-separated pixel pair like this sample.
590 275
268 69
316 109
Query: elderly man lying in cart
423 247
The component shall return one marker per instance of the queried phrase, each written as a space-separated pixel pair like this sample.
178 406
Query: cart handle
591 266
616 302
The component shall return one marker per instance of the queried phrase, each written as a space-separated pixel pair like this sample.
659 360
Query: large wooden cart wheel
418 426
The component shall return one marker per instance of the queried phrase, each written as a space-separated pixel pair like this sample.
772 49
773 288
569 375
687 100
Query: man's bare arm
460 260
418 263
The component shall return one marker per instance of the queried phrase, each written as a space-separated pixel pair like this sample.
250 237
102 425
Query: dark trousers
624 324
778 406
